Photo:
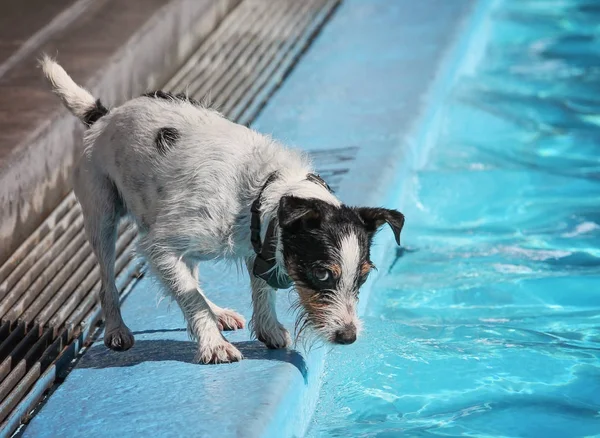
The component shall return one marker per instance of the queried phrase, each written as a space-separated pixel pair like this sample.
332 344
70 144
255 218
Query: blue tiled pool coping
363 99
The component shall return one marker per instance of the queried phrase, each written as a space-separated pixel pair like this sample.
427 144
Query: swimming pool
488 321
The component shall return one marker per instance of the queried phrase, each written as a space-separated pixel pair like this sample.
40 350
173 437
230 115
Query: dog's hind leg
227 319
183 286
102 209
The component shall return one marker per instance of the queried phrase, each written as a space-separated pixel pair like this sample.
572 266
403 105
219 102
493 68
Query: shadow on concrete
160 350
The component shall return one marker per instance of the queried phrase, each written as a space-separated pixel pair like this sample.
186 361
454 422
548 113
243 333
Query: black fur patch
186 98
166 95
311 233
376 217
166 139
94 113
159 94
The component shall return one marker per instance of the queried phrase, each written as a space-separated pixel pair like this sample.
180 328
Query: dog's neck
266 233
293 184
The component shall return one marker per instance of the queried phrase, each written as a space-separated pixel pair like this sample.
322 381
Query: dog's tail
77 99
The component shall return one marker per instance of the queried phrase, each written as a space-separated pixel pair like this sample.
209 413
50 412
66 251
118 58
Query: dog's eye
322 275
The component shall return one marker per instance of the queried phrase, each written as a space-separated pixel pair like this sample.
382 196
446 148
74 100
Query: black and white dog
201 187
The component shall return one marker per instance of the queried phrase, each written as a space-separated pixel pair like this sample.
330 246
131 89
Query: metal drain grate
48 304
49 286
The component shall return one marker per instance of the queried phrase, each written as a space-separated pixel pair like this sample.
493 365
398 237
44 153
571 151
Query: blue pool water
488 322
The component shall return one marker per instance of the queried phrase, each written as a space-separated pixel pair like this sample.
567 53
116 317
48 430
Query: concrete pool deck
354 100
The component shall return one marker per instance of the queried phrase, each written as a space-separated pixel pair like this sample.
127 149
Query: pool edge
458 60
302 399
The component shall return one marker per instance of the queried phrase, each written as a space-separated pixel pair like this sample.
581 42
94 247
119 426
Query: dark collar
265 261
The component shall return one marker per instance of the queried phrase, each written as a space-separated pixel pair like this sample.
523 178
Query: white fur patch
349 261
341 311
76 98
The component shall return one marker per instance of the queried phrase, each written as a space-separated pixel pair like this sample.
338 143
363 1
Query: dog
200 187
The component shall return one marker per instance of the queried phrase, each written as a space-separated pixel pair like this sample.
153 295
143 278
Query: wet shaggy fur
188 177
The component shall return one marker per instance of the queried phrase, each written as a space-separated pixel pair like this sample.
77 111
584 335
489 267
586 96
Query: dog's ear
295 211
376 217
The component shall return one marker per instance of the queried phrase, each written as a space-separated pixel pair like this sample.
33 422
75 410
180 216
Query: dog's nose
346 336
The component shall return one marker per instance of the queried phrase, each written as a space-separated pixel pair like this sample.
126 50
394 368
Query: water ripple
489 325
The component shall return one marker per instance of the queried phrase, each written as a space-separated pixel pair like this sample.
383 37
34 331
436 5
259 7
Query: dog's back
173 161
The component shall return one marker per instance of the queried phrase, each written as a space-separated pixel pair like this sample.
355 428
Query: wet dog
200 187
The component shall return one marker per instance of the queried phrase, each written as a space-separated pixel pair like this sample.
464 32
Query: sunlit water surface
489 323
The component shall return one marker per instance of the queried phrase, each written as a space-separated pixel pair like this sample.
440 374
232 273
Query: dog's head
326 251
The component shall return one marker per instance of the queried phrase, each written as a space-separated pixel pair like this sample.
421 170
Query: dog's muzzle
346 335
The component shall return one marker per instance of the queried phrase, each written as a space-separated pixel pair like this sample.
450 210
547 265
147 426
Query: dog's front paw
219 352
275 337
119 338
229 320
